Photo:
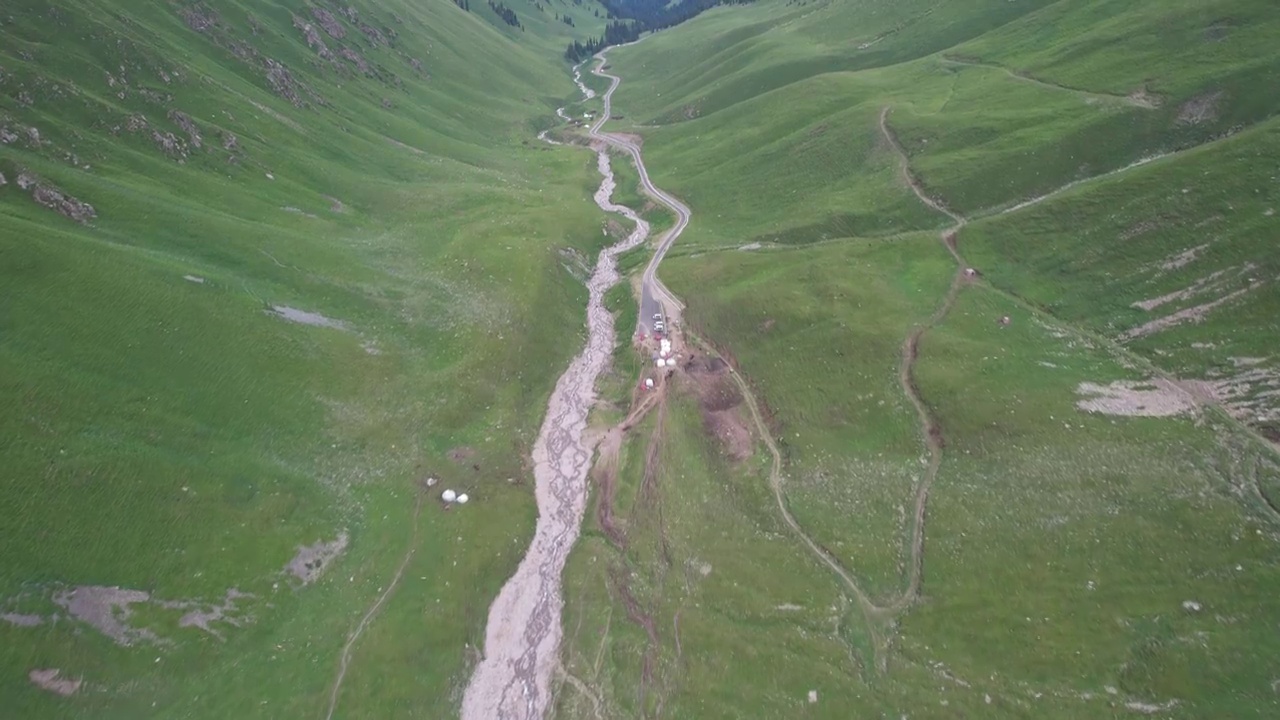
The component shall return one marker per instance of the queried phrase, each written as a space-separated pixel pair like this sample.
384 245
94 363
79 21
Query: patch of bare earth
1189 315
719 401
107 609
311 560
1203 285
51 679
1186 257
1151 398
22 620
204 615
1202 108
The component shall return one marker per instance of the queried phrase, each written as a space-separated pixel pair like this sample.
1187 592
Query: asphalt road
654 296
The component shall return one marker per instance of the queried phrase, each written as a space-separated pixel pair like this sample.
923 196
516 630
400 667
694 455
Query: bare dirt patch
1192 314
107 609
22 620
1152 398
51 679
306 318
310 562
1200 109
203 616
1202 285
719 399
1183 258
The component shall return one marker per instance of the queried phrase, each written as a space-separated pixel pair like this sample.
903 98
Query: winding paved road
654 296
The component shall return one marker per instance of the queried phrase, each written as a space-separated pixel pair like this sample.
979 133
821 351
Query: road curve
654 296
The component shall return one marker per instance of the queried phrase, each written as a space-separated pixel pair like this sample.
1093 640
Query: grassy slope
1060 546
172 437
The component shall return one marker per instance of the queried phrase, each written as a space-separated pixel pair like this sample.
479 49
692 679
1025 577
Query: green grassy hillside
169 430
1095 452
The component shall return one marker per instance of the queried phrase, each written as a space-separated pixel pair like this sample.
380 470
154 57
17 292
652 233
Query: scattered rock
416 64
51 679
229 141
356 59
311 560
33 135
3 182
199 17
387 104
312 36
282 82
374 34
1191 606
194 278
7 136
188 126
53 198
135 123
1005 320
329 23
169 144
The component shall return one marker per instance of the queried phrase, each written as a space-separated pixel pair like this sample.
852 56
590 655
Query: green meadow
165 431
1100 533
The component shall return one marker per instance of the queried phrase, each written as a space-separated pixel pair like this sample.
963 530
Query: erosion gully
522 639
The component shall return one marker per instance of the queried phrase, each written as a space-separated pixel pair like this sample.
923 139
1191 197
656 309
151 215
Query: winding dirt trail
522 638
344 659
934 439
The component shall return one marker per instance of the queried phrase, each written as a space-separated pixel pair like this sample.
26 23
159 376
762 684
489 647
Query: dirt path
929 426
344 660
522 638
1137 99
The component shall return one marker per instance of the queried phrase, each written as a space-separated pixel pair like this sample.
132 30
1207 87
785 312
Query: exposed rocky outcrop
358 60
374 34
229 141
199 17
7 136
188 126
312 36
329 23
3 182
169 144
282 82
55 199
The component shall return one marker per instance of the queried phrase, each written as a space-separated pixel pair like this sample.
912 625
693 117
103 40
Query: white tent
449 496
